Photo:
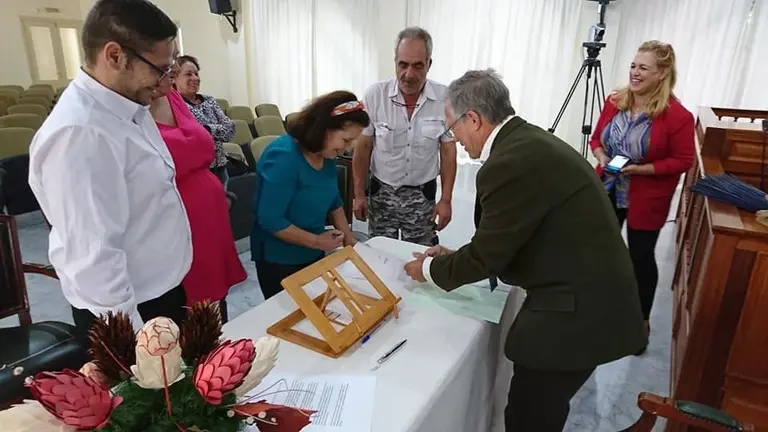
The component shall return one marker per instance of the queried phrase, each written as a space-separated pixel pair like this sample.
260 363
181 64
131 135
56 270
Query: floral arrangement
163 379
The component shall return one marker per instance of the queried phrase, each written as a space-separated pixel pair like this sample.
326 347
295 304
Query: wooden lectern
365 311
720 327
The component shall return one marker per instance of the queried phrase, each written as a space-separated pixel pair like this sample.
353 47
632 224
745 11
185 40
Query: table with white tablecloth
450 377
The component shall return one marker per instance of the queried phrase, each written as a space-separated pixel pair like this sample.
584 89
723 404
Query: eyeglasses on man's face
449 132
163 72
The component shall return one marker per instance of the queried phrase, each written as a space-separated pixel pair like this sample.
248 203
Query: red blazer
671 151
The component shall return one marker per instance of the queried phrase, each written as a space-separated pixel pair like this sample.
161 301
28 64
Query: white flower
30 416
158 336
266 349
148 370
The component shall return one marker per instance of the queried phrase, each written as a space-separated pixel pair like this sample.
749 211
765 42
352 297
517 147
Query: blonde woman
647 124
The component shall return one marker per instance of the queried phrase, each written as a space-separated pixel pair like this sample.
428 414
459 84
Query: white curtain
526 41
710 38
346 49
303 48
753 93
533 44
459 34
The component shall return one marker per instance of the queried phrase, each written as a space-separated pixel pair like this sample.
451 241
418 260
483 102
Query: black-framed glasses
449 132
163 72
404 105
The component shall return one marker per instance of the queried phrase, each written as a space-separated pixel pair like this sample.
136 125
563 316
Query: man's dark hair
136 24
180 60
311 124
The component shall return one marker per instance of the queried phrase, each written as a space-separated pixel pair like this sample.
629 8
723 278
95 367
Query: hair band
347 107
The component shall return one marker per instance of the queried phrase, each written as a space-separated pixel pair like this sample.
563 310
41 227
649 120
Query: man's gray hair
415 33
481 91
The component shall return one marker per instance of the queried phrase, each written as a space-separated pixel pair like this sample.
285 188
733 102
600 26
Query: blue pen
368 336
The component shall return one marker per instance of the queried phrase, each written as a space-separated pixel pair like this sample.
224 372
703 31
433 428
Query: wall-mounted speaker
220 7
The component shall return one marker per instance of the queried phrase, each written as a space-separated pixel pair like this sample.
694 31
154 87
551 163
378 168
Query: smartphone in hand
616 164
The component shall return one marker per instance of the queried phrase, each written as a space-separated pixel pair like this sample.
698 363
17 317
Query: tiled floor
606 403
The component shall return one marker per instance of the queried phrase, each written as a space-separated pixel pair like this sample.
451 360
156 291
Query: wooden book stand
366 311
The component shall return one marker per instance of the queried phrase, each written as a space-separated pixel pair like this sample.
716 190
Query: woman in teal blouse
298 192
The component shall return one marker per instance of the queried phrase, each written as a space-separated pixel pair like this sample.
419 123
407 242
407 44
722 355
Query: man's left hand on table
414 268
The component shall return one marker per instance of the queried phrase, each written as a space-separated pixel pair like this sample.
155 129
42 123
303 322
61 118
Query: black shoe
641 351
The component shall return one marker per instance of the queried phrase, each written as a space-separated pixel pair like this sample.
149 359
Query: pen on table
368 336
389 354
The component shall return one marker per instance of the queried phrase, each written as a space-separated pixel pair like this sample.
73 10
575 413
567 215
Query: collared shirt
406 152
485 153
105 181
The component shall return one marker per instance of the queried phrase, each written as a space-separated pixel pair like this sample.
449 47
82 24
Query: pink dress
215 264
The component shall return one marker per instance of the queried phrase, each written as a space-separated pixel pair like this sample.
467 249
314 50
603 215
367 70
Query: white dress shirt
105 181
406 152
485 153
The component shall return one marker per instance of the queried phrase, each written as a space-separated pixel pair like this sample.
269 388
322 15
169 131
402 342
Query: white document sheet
344 403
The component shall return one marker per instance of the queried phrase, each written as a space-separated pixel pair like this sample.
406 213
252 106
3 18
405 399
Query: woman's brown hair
666 62
312 123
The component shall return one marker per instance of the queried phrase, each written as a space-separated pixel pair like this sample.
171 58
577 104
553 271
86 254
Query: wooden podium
720 327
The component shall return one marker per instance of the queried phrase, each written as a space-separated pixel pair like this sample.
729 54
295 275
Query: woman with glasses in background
207 112
648 126
216 266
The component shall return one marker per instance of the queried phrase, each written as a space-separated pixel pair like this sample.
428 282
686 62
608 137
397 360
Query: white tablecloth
448 377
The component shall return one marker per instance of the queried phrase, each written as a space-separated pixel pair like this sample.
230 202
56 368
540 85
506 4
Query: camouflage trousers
404 213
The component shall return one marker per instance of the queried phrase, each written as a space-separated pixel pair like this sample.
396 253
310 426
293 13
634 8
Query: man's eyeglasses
449 132
163 72
400 104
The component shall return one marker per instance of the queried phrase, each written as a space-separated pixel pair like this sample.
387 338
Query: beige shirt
405 152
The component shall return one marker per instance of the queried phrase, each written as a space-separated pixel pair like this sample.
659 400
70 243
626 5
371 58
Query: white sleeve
82 179
425 269
369 100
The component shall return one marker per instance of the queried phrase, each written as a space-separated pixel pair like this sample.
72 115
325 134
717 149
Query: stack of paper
343 403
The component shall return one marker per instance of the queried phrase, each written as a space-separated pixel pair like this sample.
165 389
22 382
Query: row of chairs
38 94
22 112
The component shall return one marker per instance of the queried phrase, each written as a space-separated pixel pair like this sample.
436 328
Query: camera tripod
594 86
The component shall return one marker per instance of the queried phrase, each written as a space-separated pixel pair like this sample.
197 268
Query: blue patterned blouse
626 137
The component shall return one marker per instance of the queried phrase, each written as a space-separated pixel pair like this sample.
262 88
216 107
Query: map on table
474 300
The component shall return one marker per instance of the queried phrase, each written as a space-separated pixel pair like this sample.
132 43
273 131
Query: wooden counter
720 327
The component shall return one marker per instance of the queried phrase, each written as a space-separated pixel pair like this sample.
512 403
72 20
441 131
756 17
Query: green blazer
546 224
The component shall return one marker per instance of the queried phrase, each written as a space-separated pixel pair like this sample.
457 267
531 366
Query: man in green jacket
544 223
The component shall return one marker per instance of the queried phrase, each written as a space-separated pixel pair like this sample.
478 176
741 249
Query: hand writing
437 251
414 268
329 240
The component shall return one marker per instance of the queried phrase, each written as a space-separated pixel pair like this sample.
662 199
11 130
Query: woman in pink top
215 264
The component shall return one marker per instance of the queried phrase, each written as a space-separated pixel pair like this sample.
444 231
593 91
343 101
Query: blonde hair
665 61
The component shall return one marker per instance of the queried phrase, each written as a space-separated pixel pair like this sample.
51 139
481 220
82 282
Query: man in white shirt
405 149
120 238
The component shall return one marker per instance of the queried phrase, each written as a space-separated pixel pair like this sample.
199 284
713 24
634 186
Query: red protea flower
224 369
75 399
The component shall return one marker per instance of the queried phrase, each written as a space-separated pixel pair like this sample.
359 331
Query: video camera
596 33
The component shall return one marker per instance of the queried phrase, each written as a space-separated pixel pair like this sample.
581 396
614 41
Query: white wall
15 67
220 51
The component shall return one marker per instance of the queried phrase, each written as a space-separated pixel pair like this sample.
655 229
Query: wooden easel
366 311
